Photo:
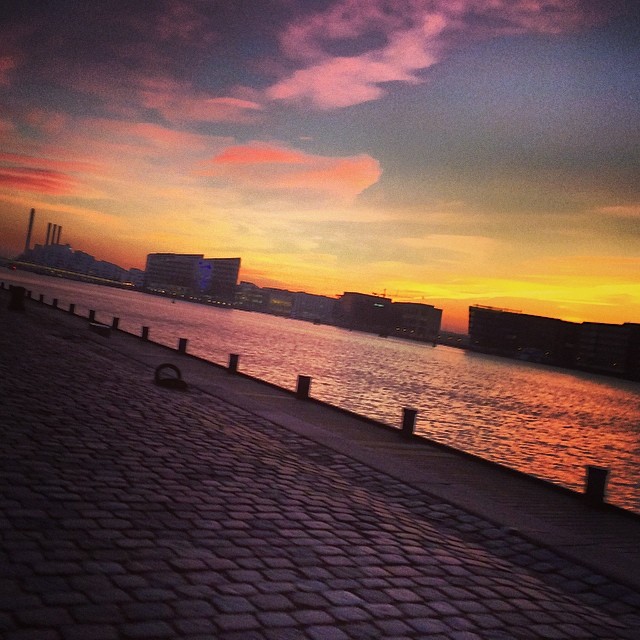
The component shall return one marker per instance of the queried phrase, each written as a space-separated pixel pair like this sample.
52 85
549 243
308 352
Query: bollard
302 390
233 362
29 294
182 345
41 298
596 485
54 303
115 323
408 421
72 309
16 301
145 333
92 315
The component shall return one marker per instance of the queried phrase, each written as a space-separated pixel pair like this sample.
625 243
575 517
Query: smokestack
27 244
48 234
59 234
54 233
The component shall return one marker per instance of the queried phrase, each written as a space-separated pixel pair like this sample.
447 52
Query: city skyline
448 153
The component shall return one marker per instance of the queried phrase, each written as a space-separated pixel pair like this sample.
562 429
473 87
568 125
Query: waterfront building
136 278
219 278
363 312
416 321
612 349
313 308
191 274
172 273
249 297
608 349
519 335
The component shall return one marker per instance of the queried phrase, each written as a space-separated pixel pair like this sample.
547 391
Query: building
519 335
219 278
363 312
416 321
191 274
172 273
313 308
610 349
607 349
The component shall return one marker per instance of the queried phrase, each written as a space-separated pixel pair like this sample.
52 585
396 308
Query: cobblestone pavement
132 511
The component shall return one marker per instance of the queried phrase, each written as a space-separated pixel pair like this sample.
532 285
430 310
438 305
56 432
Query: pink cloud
178 102
36 180
415 35
273 167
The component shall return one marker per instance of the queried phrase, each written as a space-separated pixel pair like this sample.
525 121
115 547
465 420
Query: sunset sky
451 152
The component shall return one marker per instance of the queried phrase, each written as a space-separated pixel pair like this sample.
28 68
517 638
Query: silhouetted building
416 321
363 312
219 278
608 349
314 308
519 335
191 274
172 273
612 349
250 297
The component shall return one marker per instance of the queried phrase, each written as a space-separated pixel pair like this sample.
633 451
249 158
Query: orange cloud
622 211
36 180
273 167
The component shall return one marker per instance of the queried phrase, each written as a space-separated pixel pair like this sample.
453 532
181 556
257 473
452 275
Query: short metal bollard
41 298
233 363
182 345
54 303
92 315
596 485
304 385
16 301
145 333
408 421
115 322
72 309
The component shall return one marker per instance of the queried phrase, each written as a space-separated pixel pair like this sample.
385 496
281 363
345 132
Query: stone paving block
256 533
152 630
326 632
237 622
90 631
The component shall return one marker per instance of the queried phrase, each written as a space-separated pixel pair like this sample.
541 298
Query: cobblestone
130 511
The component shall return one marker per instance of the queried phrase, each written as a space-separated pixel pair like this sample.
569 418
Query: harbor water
548 422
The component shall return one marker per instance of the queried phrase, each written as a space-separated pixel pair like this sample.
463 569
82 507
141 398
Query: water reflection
544 421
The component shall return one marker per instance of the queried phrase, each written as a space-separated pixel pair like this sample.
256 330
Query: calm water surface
547 422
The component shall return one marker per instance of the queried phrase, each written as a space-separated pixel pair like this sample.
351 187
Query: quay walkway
233 510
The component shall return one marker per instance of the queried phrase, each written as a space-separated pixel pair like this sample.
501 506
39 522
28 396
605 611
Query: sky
448 152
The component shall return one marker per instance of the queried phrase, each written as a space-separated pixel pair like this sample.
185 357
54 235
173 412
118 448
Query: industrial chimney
27 244
48 234
59 234
54 233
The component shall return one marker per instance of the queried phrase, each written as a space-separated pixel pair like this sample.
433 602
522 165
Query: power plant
54 232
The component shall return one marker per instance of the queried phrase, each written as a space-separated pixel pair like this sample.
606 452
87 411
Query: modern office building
363 312
313 308
416 321
191 274
608 349
519 335
219 278
172 273
611 349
